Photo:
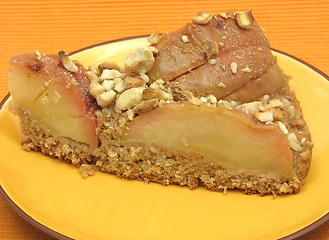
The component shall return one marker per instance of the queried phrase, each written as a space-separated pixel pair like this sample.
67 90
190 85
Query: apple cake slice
206 105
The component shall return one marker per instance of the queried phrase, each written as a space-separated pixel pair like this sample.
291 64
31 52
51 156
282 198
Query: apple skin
56 98
176 57
232 138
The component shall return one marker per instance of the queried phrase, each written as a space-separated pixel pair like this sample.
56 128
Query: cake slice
206 105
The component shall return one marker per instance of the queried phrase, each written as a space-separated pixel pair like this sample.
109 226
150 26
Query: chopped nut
108 84
202 18
106 98
119 85
110 74
251 106
220 44
223 15
246 70
142 60
234 67
132 82
129 98
225 103
67 62
306 155
294 144
94 69
283 127
150 93
180 94
212 99
245 20
145 77
92 76
274 103
203 99
185 39
212 61
264 116
154 38
96 89
210 48
37 55
145 106
130 114
195 101
221 85
153 49
109 65
291 111
265 98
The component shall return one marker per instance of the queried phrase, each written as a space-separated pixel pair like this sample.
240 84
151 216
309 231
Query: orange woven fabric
297 27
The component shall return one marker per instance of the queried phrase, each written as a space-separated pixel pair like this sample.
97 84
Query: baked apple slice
55 97
232 138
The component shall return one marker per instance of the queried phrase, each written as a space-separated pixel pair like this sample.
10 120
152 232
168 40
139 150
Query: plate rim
309 228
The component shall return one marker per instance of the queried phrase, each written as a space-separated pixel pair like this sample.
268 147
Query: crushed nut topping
154 38
67 62
109 65
283 127
210 48
221 85
223 15
105 98
145 106
185 39
150 93
245 20
129 98
96 89
264 116
37 55
212 61
142 60
110 74
294 143
202 18
234 67
246 70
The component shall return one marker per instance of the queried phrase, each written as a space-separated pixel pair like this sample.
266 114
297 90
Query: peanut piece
129 98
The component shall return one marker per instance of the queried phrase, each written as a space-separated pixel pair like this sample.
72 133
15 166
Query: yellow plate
53 196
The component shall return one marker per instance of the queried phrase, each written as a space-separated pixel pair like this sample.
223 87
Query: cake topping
129 98
142 60
210 48
234 67
245 20
202 18
154 38
185 39
67 62
109 65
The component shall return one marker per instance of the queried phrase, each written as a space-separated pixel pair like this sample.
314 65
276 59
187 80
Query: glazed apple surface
231 138
55 97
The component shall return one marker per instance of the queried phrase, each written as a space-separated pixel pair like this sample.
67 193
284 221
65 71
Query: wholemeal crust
152 163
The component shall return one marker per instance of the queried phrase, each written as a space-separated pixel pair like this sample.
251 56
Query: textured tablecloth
300 28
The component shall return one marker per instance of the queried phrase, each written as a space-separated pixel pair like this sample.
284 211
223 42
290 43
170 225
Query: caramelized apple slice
55 97
232 138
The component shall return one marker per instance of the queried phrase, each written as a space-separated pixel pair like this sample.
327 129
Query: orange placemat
300 28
